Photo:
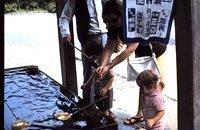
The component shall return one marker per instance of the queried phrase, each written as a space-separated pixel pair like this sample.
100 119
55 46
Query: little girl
153 102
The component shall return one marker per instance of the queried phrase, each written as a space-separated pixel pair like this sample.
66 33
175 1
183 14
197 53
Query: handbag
139 64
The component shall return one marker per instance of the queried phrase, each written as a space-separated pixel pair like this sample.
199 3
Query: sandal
133 120
110 114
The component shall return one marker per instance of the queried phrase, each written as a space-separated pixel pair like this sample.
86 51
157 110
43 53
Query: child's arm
107 86
89 81
107 82
157 117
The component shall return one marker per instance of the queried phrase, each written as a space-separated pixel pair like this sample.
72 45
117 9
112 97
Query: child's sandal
133 120
111 115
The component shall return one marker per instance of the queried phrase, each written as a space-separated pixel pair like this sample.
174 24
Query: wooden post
67 56
187 22
2 61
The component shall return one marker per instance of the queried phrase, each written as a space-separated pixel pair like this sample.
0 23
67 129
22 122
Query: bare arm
107 86
103 69
125 54
88 82
107 51
156 118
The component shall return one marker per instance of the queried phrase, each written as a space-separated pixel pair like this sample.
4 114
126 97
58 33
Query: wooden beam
67 56
187 22
196 61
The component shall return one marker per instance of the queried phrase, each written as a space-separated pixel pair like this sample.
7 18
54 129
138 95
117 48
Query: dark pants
145 50
93 46
96 86
104 104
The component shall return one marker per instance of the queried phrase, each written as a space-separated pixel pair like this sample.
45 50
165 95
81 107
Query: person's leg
140 105
107 90
109 104
92 47
159 49
87 68
162 65
87 71
106 104
139 114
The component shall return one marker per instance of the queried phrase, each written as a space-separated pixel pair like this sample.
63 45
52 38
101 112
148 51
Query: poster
147 21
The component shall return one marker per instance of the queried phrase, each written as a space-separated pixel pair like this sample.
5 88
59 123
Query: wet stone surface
35 98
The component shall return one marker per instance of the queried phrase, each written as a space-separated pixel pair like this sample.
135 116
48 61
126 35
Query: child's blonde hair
149 79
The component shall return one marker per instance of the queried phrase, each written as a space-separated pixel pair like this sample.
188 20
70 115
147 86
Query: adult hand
102 71
99 70
67 38
149 123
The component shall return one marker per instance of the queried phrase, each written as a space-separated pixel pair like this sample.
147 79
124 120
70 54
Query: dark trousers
104 104
93 46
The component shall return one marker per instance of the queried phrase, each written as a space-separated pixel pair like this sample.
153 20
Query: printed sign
147 21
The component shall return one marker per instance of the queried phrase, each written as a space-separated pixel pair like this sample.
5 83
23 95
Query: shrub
29 5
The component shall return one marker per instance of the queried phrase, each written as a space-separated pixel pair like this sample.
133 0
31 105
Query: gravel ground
33 40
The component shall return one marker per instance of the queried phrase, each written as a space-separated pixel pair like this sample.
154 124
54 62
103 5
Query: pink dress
153 103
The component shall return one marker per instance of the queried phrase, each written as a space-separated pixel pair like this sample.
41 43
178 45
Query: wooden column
67 56
196 58
187 22
2 61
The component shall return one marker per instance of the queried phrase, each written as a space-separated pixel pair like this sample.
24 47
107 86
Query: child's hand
84 86
149 123
103 91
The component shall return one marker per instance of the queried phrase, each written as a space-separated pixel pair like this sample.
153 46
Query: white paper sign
147 18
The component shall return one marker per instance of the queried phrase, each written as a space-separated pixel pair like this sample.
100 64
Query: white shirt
96 24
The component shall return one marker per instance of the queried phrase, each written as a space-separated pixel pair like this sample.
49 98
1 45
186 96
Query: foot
133 120
110 114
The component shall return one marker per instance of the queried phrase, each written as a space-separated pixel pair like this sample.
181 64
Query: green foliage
51 7
29 5
11 8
